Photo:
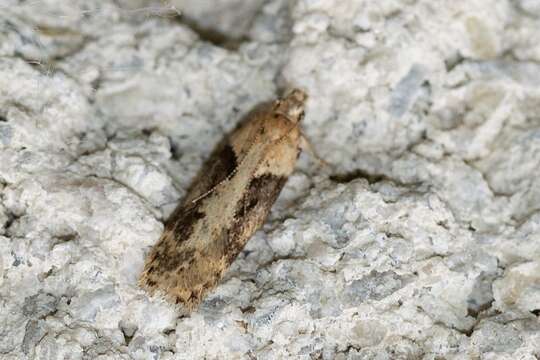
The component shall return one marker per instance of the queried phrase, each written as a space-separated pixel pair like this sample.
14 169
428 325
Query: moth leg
306 146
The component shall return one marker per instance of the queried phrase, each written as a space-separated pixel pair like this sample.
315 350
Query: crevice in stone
452 62
63 238
494 192
44 275
475 312
169 331
347 177
127 338
349 348
128 330
248 309
213 36
176 154
11 219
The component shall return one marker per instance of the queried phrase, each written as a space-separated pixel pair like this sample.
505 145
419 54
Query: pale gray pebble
406 90
39 305
34 332
531 7
374 286
492 337
6 134
87 304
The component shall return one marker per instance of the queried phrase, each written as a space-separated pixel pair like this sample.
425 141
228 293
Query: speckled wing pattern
227 203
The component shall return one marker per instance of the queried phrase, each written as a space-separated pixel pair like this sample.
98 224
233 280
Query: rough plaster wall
421 241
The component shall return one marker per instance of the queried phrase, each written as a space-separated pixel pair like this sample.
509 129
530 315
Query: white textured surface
424 243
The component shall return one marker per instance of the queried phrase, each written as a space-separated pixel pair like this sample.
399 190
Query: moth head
292 106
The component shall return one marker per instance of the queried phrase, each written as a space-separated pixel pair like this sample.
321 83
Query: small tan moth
227 203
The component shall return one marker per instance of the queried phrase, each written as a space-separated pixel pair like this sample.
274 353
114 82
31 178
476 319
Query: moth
227 203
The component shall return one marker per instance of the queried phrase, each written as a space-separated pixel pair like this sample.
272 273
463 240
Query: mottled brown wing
208 269
171 254
252 211
228 155
221 164
186 274
202 238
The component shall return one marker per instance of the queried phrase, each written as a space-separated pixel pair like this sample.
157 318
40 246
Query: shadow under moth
227 203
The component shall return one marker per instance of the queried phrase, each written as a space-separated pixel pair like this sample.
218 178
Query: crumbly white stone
421 240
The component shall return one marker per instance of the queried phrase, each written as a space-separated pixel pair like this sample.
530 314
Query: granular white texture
421 240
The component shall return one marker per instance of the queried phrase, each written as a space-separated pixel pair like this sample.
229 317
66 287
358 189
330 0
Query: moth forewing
229 201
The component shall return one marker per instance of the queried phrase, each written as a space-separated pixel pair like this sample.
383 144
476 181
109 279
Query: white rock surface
421 242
